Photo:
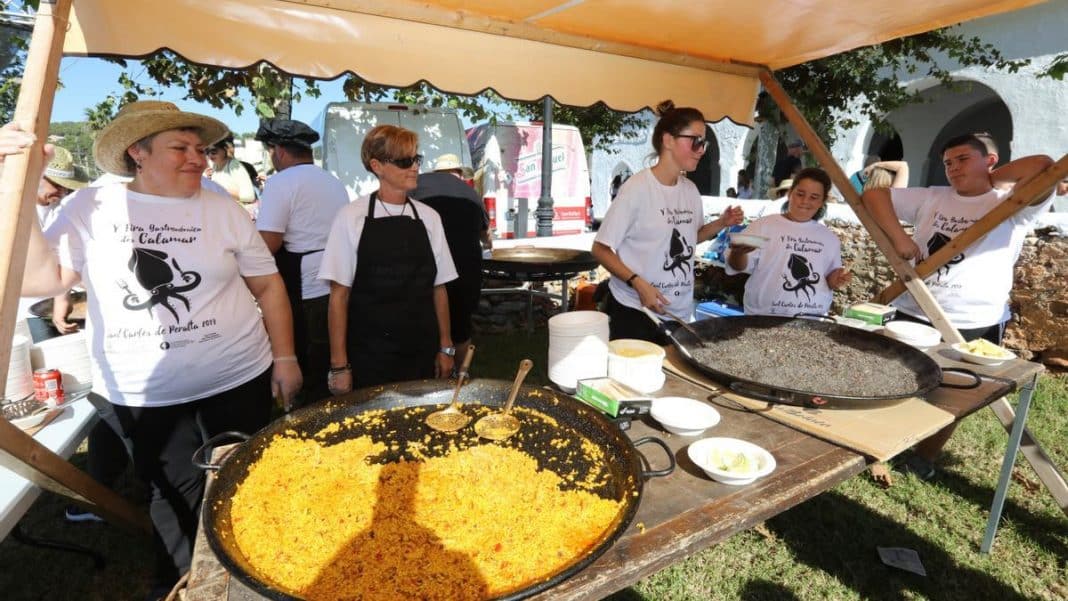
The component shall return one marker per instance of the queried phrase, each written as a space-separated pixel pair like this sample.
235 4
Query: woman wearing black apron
387 262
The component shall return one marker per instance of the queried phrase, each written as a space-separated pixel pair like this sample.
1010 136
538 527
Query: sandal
911 463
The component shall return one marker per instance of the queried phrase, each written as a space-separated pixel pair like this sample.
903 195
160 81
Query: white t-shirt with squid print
170 318
653 229
973 287
789 274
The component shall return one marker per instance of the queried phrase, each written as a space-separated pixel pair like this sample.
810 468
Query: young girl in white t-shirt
648 237
800 265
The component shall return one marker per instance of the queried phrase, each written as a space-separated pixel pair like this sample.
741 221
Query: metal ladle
451 419
499 426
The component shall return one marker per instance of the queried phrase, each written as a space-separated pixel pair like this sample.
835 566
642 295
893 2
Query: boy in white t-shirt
973 287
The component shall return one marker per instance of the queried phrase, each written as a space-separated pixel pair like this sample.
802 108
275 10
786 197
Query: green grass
822 549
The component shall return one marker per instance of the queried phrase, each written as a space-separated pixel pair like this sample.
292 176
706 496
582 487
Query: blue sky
87 81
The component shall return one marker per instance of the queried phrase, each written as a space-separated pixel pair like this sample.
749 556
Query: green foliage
1058 68
77 137
823 89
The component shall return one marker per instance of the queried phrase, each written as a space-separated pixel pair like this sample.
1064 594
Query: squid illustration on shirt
679 253
156 275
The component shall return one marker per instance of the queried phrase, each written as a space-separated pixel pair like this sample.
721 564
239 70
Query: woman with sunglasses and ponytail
387 262
648 237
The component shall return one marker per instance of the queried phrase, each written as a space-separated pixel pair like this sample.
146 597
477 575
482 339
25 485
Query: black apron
392 331
289 268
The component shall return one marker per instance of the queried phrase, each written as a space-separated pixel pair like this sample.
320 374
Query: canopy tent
630 54
713 54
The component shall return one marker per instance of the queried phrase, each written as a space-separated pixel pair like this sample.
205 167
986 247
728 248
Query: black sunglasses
405 162
697 143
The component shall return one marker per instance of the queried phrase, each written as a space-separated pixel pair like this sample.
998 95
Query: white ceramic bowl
684 416
915 334
711 454
749 240
971 357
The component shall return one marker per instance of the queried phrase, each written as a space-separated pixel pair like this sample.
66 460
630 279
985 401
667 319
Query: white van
507 159
343 126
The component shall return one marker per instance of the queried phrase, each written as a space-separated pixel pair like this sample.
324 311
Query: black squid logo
679 253
156 275
934 244
801 276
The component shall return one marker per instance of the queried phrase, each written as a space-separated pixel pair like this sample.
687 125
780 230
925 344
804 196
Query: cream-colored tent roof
628 53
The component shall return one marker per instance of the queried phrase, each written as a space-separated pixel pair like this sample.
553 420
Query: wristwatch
448 350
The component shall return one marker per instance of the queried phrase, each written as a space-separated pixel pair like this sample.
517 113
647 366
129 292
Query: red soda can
48 386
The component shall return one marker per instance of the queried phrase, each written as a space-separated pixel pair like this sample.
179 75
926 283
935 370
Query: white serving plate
749 240
684 416
700 453
915 334
981 359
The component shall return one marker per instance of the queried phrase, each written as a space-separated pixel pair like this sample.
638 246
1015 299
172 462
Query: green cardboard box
605 394
872 313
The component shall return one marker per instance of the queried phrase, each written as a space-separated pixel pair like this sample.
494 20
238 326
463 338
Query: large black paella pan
814 363
623 470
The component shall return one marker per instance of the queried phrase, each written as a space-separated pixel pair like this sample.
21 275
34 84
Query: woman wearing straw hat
173 276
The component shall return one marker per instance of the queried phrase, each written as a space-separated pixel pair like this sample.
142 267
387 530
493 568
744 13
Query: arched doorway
707 175
990 115
620 174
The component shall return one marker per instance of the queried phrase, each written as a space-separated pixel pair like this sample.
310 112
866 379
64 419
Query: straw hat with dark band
139 120
63 172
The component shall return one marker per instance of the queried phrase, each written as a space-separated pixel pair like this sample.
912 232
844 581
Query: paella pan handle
210 444
814 402
977 380
667 450
815 317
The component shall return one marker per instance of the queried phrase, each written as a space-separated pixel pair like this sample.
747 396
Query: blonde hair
879 178
385 142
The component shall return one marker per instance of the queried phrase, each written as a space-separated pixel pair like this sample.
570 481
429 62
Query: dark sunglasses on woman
697 143
405 162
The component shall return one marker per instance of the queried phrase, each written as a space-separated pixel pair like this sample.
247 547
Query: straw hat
450 162
138 120
63 172
784 185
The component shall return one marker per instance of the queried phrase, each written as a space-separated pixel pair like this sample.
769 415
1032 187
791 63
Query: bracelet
287 358
630 280
342 369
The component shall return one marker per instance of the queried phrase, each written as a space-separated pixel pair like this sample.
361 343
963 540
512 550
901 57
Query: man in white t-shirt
297 208
973 287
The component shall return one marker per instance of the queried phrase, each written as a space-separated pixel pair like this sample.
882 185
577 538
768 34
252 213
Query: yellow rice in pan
323 523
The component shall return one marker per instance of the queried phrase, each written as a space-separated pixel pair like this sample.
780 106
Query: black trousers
317 354
625 322
162 441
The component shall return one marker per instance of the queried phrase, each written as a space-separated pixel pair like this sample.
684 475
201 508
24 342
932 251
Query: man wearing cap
229 173
297 208
60 178
466 226
786 166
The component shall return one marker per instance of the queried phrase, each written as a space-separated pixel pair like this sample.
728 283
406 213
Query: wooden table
686 512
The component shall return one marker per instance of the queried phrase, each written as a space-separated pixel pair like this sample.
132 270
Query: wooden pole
18 196
28 458
18 184
1022 196
902 267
